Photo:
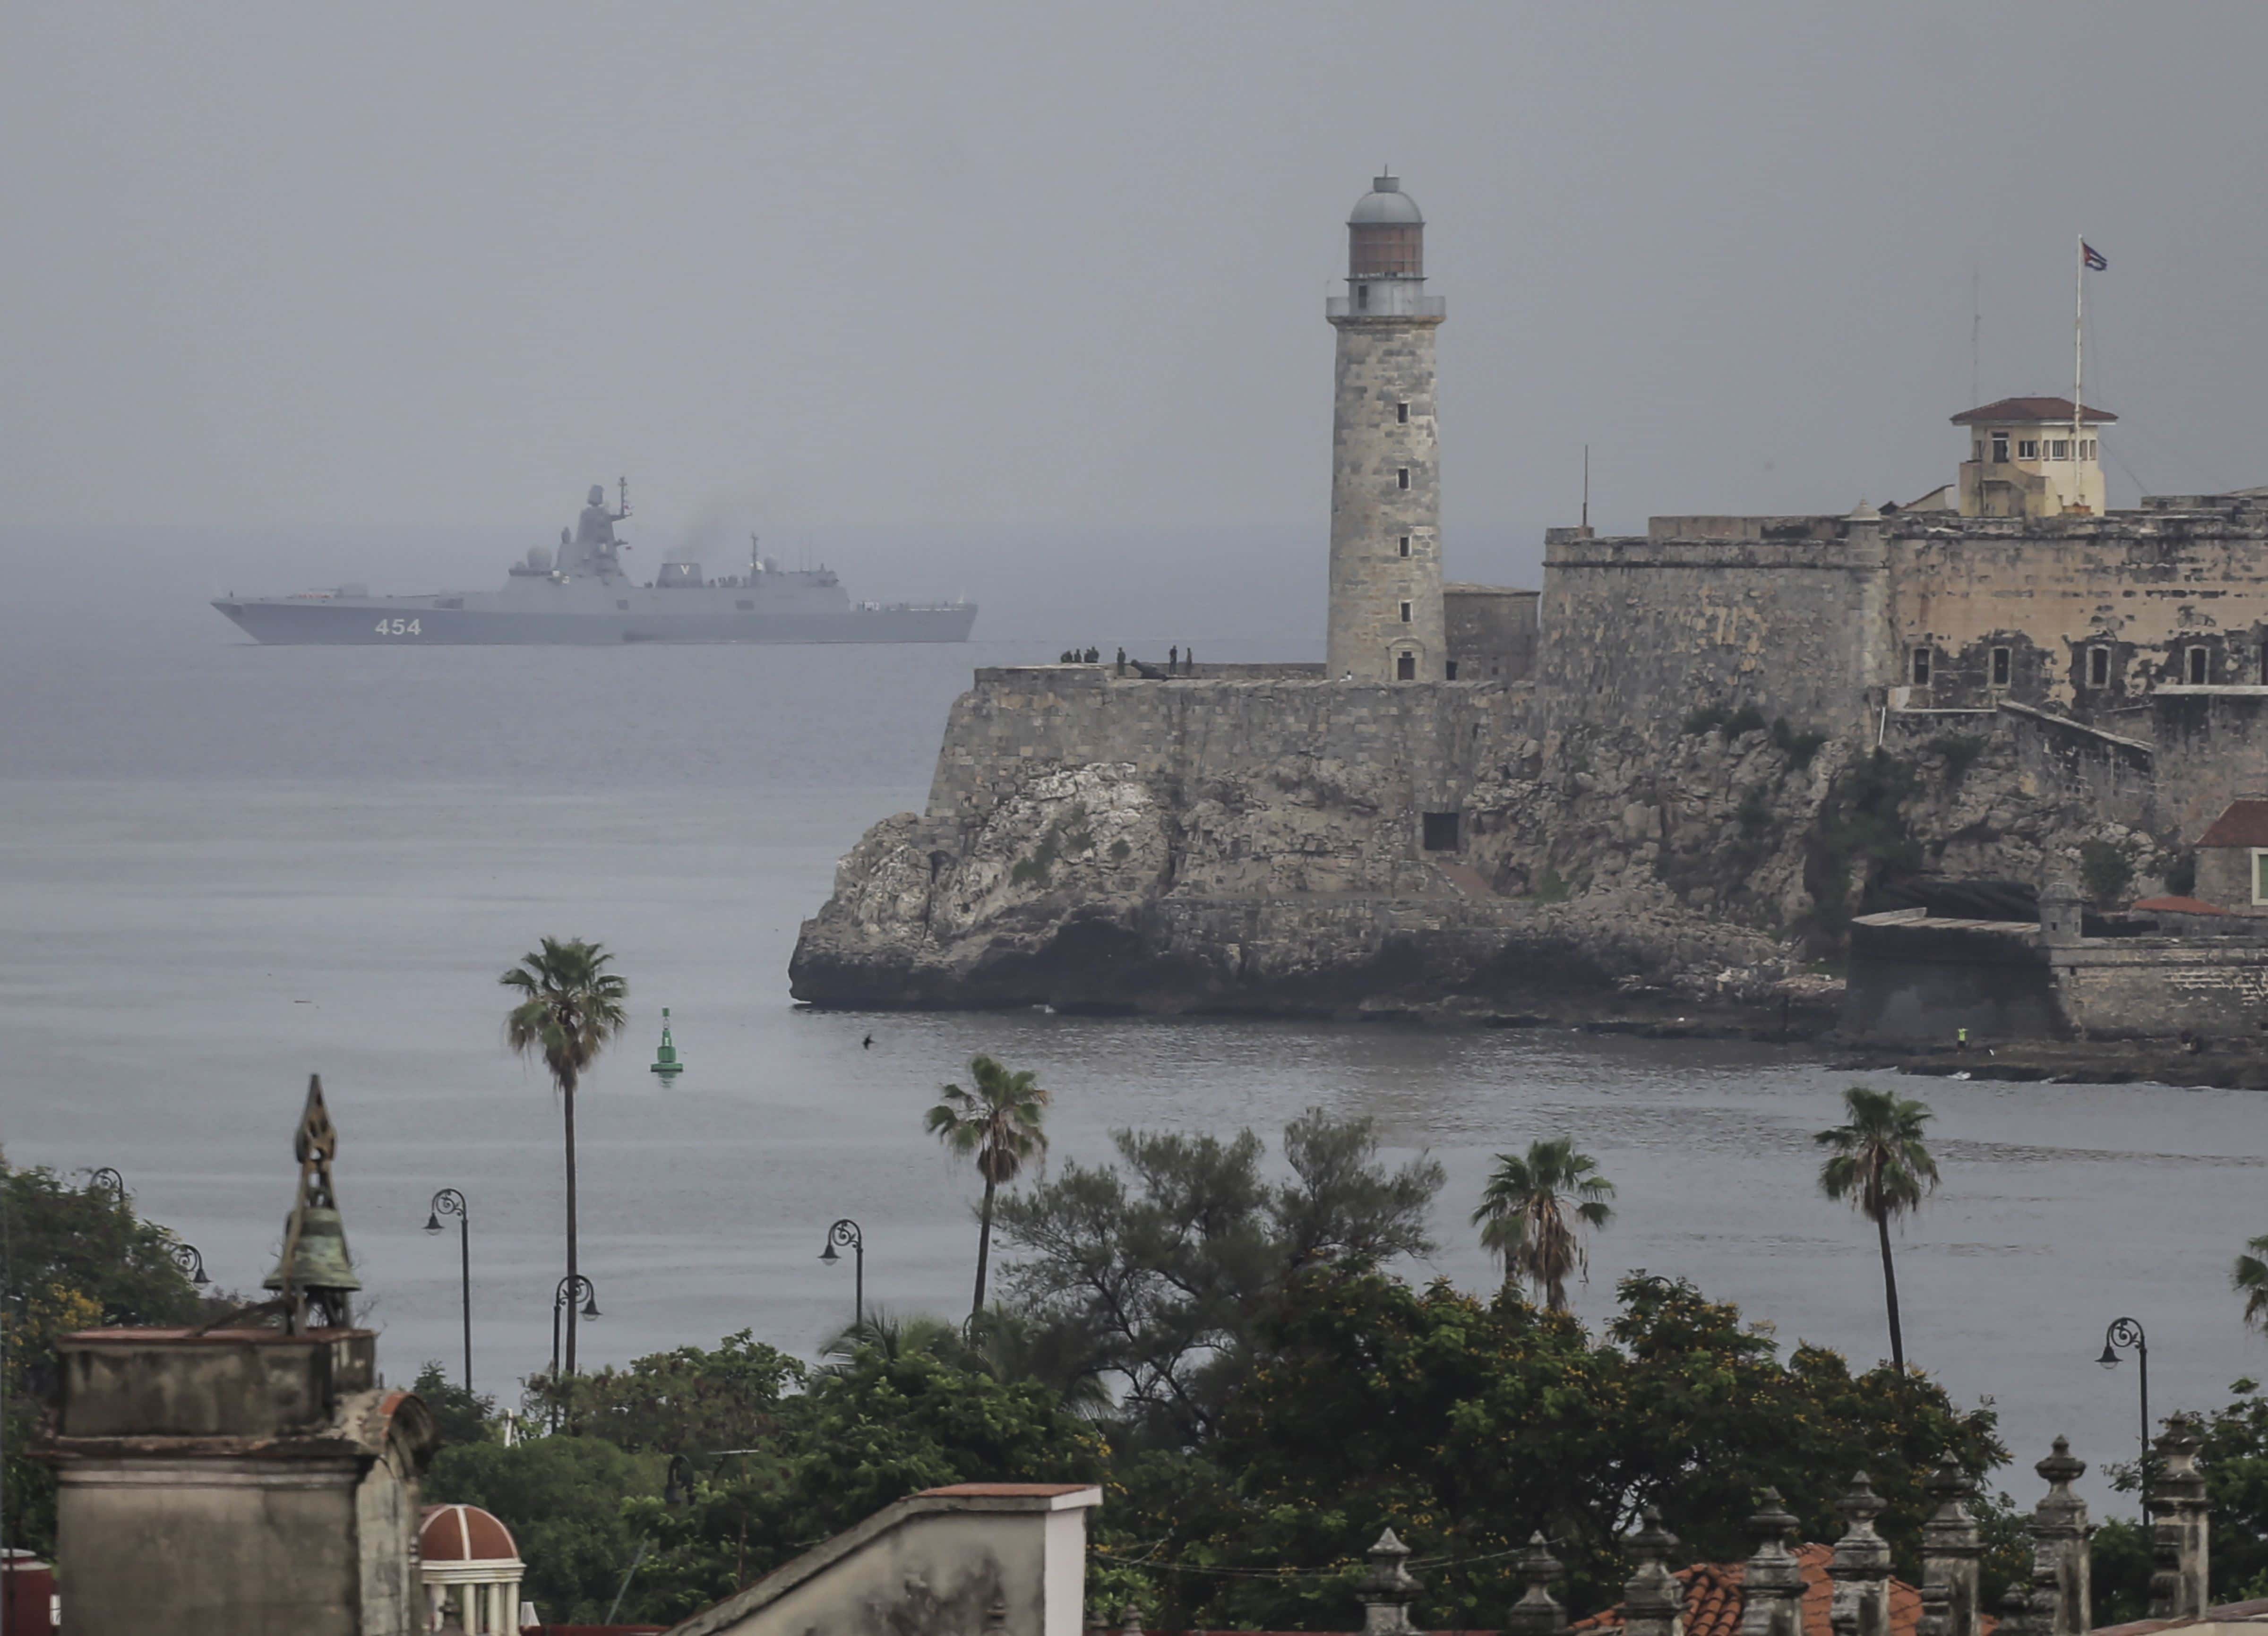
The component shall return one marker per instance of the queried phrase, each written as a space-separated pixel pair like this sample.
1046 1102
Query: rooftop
2245 823
2043 411
1714 1601
1386 205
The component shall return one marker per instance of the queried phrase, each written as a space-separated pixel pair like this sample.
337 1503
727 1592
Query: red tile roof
1714 1602
2044 411
2178 906
2245 823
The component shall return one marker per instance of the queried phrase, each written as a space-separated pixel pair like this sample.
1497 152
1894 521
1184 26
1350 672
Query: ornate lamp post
2124 1332
191 1261
845 1232
105 1176
571 1290
450 1201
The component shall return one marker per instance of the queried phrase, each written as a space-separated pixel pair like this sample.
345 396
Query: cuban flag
2093 259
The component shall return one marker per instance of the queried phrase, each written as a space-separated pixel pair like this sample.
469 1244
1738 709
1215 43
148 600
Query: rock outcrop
1263 846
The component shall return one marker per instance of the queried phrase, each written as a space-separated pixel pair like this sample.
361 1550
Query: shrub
1756 814
2181 875
2106 871
1798 747
1549 888
1960 751
1747 718
1706 719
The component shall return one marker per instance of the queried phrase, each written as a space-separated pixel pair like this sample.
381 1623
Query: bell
319 1262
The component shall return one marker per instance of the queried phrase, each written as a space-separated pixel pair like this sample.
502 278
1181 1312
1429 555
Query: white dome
1386 205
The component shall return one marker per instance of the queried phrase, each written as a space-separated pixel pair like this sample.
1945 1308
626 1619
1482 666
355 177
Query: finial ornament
1537 1612
1388 1589
1654 1601
315 1274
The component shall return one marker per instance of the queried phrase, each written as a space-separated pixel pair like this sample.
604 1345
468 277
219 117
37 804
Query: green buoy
665 1060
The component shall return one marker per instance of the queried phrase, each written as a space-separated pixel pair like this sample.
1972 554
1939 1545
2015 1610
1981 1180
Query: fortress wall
1382 754
2149 585
1490 631
2212 747
1638 632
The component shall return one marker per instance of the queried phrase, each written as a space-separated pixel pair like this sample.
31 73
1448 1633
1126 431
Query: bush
1756 812
1747 718
2181 875
1798 747
1706 719
1550 889
2106 870
1960 751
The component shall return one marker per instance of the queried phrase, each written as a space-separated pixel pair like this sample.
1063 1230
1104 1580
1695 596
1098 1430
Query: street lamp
105 1176
450 1201
571 1290
191 1261
846 1233
2124 1332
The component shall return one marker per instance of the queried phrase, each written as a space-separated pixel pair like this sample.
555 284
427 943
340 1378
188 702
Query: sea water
223 867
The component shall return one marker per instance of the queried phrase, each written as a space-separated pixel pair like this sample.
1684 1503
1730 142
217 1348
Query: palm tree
2249 1278
1530 1210
573 1006
998 1124
1879 1168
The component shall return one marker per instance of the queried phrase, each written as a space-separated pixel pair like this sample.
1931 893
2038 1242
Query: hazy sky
1062 264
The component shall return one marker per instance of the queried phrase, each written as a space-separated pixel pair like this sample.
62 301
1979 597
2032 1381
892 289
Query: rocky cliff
1262 844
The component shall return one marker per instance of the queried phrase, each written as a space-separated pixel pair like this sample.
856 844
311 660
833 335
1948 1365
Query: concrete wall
1490 631
236 1483
1003 1558
1383 362
1405 749
2139 988
2148 585
1925 982
1786 613
2211 747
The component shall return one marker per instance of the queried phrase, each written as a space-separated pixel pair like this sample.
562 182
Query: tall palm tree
573 1006
1530 1211
997 1123
1880 1167
2249 1278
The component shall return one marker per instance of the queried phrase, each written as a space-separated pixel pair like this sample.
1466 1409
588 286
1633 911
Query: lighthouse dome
1386 205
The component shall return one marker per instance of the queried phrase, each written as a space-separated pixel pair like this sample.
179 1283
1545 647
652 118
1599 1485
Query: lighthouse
1386 491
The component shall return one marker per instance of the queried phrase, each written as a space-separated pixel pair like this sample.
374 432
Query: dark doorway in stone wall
1405 667
1441 832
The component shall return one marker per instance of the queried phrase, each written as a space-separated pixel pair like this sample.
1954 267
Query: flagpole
2078 353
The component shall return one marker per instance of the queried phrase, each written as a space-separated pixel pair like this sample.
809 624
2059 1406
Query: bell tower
1385 492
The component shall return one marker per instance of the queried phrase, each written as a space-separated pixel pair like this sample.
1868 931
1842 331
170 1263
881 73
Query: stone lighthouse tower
1385 490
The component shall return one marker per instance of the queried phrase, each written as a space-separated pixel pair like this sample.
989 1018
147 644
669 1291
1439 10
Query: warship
582 594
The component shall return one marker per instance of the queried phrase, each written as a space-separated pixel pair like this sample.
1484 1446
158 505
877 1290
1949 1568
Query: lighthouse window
1401 414
1405 545
2098 667
1405 613
2198 662
2060 449
1921 668
1999 448
2028 449
1999 668
1362 297
1405 667
1402 477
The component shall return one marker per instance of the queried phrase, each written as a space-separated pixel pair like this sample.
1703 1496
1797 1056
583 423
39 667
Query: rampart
2144 587
1417 747
1789 615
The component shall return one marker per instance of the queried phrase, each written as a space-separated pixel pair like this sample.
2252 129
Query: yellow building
2024 461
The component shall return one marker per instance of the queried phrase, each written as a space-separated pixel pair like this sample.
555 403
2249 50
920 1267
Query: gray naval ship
581 594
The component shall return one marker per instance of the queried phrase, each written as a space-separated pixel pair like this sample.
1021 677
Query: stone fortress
1676 778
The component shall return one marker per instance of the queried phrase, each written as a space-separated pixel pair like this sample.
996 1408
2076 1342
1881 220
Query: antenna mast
1586 486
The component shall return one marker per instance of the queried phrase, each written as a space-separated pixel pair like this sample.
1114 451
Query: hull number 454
399 628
